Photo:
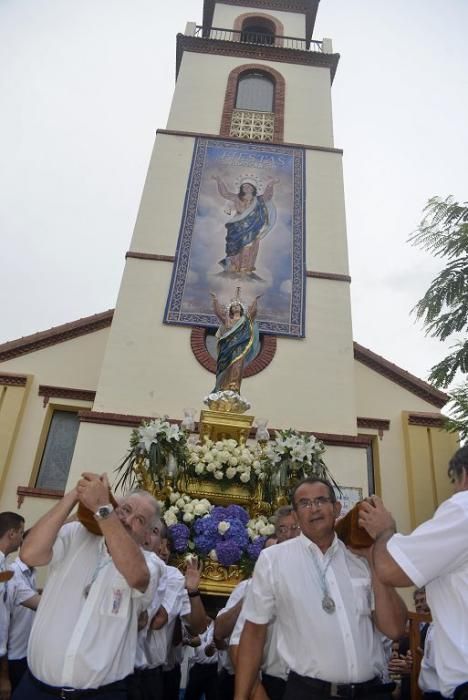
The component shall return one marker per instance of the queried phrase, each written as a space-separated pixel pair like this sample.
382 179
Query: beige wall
198 99
72 364
377 397
159 216
149 368
224 17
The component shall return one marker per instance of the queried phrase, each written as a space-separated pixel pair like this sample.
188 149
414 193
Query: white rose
199 509
252 533
270 528
245 477
219 445
170 518
174 496
188 508
223 527
256 464
265 530
180 503
213 555
199 469
206 503
231 472
225 454
210 467
233 461
218 475
188 517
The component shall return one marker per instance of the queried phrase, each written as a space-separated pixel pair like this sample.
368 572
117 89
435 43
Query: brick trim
198 134
263 359
171 258
149 256
29 492
426 420
244 51
408 381
133 421
275 24
373 423
63 392
231 92
13 380
57 334
337 277
307 7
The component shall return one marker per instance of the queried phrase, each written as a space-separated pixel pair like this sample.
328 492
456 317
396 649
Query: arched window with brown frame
259 28
254 104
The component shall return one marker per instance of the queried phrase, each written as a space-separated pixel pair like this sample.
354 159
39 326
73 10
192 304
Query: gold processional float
220 486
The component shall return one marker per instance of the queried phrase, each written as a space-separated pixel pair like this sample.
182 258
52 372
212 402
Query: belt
342 690
66 693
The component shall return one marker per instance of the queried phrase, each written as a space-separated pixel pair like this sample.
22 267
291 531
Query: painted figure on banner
238 344
254 217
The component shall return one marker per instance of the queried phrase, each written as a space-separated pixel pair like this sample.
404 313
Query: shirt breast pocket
115 601
362 593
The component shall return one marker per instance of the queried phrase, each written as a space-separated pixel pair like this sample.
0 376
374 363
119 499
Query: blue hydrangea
228 552
234 511
238 533
179 535
255 547
219 513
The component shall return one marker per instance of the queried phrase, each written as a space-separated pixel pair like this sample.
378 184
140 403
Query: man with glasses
286 525
330 609
84 635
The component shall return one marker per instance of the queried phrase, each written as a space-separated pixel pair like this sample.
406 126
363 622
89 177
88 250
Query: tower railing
258 38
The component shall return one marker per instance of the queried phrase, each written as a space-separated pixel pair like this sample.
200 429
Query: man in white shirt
224 625
11 536
83 640
435 555
22 600
203 667
286 525
328 606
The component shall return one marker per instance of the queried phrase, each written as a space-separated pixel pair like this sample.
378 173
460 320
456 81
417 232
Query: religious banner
242 226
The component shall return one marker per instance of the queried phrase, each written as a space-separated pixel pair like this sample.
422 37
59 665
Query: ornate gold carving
220 425
215 579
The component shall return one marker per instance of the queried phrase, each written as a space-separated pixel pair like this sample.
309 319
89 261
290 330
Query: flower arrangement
291 456
226 461
225 535
163 448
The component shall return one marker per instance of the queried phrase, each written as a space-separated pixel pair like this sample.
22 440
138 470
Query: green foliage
458 421
443 232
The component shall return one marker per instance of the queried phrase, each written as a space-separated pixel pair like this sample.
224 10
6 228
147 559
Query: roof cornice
57 334
399 376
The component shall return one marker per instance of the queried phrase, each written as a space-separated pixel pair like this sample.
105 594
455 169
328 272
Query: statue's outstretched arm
217 308
269 189
253 307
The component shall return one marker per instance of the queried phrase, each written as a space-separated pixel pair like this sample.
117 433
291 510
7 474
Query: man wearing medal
331 611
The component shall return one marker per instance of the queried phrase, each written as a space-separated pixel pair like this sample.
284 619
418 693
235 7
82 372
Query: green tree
443 309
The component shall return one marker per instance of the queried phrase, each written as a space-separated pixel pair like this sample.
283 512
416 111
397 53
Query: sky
84 85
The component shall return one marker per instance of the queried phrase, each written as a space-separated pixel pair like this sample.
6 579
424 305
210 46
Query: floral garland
226 461
223 534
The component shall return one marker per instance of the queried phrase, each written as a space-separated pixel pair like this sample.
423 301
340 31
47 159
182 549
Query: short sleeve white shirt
428 680
81 641
177 604
286 587
20 588
435 555
272 663
239 592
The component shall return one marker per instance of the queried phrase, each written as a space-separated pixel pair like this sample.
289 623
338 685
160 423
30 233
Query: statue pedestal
223 425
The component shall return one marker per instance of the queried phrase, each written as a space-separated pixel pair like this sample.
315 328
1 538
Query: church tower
252 104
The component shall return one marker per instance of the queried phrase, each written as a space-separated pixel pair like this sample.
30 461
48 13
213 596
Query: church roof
96 322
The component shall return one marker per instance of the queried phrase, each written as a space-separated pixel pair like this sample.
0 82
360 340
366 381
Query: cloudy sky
85 83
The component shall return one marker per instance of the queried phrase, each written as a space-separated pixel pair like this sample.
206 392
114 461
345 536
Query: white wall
198 100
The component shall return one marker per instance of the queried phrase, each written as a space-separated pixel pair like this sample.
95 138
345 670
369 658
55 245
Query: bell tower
252 104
